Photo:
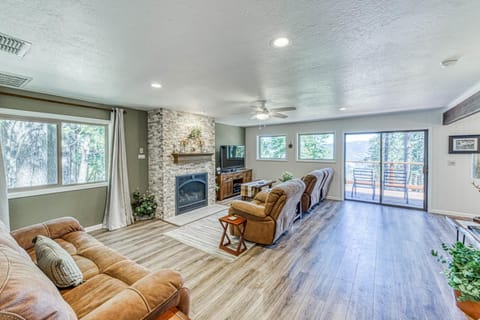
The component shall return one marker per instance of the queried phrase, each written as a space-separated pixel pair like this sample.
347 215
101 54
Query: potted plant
286 176
463 275
143 205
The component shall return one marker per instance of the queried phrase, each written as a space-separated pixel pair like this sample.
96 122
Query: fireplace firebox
191 192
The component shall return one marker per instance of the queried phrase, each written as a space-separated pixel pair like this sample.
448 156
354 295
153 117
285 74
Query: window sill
281 160
312 160
31 193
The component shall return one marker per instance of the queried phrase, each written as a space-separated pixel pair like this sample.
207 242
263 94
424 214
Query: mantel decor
463 144
191 157
192 143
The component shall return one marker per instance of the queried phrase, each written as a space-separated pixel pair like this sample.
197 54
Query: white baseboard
453 213
334 198
93 228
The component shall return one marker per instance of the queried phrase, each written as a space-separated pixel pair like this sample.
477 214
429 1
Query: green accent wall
224 135
86 205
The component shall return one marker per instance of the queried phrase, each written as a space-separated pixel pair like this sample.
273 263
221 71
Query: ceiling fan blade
283 109
278 115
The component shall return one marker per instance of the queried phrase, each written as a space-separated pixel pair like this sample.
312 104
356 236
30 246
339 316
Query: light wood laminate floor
345 260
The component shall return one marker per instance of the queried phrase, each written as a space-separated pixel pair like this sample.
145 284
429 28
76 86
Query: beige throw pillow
56 263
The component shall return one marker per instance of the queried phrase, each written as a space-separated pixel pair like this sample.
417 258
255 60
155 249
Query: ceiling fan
263 113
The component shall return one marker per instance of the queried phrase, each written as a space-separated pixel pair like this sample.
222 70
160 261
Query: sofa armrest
249 208
148 298
55 228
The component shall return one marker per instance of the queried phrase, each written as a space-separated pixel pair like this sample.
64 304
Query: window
272 147
83 153
44 153
29 152
316 146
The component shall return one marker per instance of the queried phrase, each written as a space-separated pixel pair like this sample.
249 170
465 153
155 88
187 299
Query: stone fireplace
166 128
191 192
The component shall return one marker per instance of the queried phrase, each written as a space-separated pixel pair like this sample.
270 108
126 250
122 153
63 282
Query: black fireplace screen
191 192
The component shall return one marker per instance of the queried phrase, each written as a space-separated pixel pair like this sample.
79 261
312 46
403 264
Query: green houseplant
144 205
463 275
285 176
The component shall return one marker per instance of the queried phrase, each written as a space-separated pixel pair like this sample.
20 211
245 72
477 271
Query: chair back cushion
282 203
326 184
313 188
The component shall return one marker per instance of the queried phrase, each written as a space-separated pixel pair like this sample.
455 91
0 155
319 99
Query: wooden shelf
192 157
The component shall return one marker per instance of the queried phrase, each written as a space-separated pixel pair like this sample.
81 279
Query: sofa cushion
25 291
56 263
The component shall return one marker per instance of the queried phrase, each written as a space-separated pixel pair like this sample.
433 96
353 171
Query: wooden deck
345 260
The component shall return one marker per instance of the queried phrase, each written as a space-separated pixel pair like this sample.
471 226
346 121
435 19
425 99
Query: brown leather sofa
270 214
114 287
317 183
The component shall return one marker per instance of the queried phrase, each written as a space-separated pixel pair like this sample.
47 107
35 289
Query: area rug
205 234
195 215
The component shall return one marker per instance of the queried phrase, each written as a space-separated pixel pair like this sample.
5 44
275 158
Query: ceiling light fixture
449 62
156 85
280 42
262 116
343 109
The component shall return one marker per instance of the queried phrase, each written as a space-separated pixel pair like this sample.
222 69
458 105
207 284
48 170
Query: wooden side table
239 223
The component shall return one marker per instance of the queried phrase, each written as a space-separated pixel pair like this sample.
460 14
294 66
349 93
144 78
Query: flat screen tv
232 157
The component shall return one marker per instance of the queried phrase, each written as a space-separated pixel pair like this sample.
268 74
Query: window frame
334 151
58 119
259 158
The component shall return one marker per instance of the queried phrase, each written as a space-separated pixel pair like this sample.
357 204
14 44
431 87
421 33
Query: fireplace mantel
191 157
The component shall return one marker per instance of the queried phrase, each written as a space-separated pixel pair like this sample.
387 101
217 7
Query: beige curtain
118 212
4 214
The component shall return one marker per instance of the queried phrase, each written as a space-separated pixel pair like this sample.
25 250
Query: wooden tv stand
229 182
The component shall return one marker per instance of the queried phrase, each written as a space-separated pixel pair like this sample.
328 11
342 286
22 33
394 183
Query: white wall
450 189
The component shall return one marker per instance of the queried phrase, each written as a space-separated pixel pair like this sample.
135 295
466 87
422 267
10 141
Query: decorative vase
471 308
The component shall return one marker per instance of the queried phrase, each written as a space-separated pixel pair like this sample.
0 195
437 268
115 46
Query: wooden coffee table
255 186
239 223
462 230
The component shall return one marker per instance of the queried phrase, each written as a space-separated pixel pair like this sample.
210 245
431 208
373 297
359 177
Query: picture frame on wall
463 144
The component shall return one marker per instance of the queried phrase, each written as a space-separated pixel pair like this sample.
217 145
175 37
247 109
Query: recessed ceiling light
280 42
342 109
449 62
156 85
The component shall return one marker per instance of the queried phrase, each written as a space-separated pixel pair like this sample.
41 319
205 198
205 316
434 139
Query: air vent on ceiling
13 80
13 45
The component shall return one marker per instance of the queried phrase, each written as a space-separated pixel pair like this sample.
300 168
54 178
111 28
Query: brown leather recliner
317 183
114 287
271 213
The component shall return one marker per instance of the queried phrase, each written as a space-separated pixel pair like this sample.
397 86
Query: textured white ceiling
214 56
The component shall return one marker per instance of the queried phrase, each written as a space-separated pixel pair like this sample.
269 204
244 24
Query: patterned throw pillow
56 263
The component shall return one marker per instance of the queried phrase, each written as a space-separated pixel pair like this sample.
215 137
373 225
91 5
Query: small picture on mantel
463 144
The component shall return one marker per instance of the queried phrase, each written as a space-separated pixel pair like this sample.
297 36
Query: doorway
387 167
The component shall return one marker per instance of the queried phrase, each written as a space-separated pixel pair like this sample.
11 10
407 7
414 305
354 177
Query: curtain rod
16 95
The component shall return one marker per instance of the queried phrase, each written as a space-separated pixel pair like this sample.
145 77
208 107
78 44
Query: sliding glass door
387 167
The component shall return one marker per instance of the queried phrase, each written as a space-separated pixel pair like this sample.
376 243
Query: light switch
140 150
141 156
451 163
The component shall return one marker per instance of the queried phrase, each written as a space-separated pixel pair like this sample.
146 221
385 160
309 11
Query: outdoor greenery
463 272
31 157
316 146
272 147
144 204
286 176
83 153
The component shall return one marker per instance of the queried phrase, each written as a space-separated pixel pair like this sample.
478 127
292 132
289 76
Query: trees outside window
316 146
272 147
32 158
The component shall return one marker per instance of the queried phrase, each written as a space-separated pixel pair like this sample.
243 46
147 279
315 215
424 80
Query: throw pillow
56 263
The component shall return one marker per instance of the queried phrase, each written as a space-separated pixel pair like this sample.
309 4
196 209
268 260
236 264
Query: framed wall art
463 144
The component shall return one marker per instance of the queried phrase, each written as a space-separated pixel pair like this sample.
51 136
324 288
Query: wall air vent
13 45
13 80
